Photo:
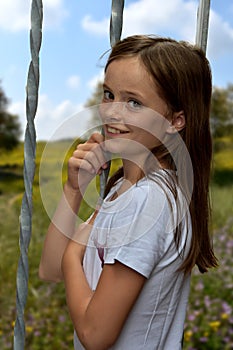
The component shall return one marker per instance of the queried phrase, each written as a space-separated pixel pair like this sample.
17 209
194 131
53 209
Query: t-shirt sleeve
141 230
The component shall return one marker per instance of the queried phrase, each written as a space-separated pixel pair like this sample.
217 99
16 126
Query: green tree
10 130
222 111
95 100
97 96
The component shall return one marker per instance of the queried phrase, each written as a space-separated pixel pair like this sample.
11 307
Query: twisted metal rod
29 170
202 24
116 22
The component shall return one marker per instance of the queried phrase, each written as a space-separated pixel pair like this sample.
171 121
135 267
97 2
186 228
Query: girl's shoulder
162 181
156 184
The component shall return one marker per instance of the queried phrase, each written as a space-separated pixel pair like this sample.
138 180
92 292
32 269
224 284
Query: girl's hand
87 161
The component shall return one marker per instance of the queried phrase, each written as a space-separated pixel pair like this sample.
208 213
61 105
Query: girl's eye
134 104
108 95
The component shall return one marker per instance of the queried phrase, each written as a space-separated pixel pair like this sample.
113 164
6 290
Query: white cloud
52 118
15 14
54 13
18 108
92 83
175 18
151 16
95 27
73 82
220 36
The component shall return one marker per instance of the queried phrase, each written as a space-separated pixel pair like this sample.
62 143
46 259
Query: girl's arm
99 316
59 233
85 163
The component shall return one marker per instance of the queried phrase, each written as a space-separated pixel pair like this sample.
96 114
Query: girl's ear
177 122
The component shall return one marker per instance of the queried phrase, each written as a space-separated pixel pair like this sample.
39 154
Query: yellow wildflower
215 325
29 329
188 335
224 316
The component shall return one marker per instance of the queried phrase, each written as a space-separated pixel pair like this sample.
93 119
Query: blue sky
75 35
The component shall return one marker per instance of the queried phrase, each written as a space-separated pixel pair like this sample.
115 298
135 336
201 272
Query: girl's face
131 109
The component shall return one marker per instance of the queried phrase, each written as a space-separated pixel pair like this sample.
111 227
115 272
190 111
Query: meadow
209 321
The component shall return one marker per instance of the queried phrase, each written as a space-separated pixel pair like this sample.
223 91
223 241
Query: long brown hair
182 75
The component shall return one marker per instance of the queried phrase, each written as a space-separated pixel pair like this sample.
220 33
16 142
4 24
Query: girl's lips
114 131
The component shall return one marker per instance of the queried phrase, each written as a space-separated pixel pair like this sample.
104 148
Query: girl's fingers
87 161
99 138
92 153
96 137
77 164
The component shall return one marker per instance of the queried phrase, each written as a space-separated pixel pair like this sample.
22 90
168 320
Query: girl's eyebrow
126 92
133 93
106 86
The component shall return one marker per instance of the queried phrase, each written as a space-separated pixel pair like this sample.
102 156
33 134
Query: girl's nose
112 112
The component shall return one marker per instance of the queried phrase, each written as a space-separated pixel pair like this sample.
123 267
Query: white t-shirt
137 229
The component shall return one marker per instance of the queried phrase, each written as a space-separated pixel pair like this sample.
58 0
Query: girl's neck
132 171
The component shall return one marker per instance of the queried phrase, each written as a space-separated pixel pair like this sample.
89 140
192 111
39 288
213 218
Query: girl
128 287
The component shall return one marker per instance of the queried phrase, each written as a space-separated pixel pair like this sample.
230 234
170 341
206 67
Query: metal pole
116 22
202 24
29 170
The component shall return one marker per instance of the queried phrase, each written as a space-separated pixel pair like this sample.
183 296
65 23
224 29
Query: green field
209 322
